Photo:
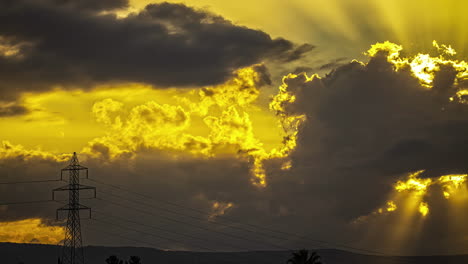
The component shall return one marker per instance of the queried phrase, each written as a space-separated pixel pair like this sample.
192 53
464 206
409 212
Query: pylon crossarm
79 207
63 188
70 168
84 187
68 208
78 187
65 207
74 167
75 187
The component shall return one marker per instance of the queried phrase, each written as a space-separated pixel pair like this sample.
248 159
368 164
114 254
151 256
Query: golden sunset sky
339 117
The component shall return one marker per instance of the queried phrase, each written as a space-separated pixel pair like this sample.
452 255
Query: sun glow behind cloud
423 66
408 208
425 69
417 198
348 27
418 187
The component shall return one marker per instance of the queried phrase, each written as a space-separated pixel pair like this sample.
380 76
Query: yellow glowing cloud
219 209
449 183
286 165
32 230
9 50
418 187
391 206
392 50
214 121
444 49
226 119
423 66
414 184
240 91
461 96
104 109
10 151
289 122
423 208
452 183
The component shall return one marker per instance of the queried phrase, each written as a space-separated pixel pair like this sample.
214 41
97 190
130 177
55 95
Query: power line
150 234
215 231
335 245
27 202
131 221
164 230
196 226
237 221
26 182
45 201
193 217
113 234
139 241
283 248
37 201
236 254
202 219
121 236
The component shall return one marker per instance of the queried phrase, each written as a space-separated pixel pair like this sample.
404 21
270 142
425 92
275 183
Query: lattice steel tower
72 250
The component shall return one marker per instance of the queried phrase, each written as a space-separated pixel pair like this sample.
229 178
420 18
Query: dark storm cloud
367 126
193 183
374 114
89 5
12 110
164 45
322 66
333 64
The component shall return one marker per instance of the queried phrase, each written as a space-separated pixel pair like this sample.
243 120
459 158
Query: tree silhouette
302 257
114 260
134 260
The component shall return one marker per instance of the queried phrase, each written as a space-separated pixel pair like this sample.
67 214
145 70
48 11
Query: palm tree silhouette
302 257
113 260
134 260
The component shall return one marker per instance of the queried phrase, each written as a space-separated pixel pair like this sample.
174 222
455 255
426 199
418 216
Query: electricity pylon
72 250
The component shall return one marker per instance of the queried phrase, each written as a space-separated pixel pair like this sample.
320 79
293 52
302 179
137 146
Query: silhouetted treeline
302 257
299 257
116 260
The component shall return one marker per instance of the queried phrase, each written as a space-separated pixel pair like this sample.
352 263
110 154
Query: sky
238 125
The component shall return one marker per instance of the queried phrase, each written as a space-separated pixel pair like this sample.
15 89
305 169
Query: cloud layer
167 45
370 124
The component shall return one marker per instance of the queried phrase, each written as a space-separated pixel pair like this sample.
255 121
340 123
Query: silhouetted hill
45 254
